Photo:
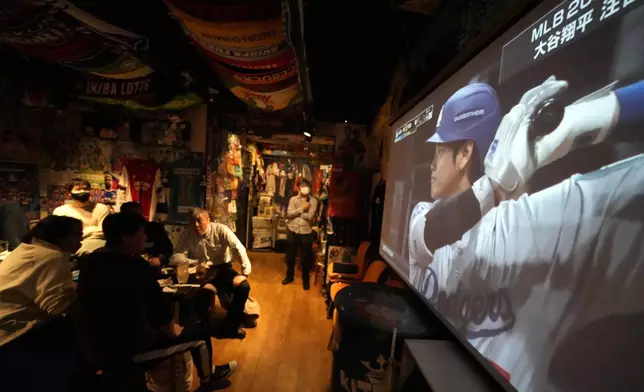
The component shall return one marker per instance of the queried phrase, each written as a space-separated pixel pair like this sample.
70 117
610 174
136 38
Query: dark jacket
159 244
120 307
13 223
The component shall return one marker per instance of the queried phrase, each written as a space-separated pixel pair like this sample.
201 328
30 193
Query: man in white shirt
87 211
213 244
36 291
301 212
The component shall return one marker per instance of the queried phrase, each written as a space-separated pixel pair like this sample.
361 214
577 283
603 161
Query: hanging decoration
248 47
48 32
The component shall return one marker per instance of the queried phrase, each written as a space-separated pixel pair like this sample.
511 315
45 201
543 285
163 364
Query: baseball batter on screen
490 257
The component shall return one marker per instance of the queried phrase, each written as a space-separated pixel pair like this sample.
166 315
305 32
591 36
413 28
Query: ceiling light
346 122
307 134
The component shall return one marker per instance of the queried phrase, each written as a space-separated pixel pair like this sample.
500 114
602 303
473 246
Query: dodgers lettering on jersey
433 275
547 266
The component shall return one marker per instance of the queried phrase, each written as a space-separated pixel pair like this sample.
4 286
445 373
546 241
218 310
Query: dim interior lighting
307 134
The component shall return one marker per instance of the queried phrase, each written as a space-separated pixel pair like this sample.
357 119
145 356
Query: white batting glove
511 160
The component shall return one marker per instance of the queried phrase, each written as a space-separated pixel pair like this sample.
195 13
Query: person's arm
182 251
99 213
55 289
158 307
235 243
293 211
450 218
308 215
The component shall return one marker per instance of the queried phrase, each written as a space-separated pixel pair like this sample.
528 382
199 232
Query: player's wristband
484 193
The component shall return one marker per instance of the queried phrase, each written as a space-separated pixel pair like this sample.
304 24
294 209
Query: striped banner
248 45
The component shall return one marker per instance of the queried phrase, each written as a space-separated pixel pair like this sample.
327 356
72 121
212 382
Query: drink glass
182 273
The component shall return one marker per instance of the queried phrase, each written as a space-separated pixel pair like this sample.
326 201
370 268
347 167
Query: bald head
199 220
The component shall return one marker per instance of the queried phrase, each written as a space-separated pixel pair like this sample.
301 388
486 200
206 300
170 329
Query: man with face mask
90 213
301 212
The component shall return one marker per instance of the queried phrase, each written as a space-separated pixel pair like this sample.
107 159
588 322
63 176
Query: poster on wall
102 190
164 133
344 197
187 187
19 183
516 201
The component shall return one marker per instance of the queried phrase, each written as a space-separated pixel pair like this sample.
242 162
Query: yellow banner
126 66
137 73
232 35
269 101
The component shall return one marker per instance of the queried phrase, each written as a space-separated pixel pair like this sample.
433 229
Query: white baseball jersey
535 271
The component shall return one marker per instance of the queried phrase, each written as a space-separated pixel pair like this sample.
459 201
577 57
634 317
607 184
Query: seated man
122 312
158 247
212 243
90 213
36 292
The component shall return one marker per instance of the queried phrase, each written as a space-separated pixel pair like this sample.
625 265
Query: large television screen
515 199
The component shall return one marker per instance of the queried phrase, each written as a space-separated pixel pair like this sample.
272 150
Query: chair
355 271
145 375
372 274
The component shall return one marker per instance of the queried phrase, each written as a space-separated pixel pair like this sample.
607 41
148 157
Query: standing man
213 244
90 213
465 129
301 211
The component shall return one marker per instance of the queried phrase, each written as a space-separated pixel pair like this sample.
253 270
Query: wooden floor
288 349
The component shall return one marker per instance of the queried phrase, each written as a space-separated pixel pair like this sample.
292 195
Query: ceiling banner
255 59
48 33
259 43
257 79
249 53
234 35
126 88
270 101
225 13
179 102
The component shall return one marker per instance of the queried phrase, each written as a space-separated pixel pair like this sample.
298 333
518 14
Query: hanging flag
249 48
270 101
51 34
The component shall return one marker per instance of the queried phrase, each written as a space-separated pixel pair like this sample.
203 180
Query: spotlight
307 134
346 122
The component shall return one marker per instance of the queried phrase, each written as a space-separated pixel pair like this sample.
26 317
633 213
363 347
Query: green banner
179 102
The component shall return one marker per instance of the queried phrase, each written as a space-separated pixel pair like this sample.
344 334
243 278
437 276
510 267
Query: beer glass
183 274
